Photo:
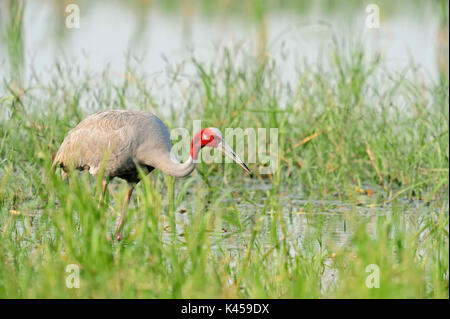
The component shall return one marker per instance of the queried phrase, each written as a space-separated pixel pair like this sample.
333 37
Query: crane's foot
118 232
118 237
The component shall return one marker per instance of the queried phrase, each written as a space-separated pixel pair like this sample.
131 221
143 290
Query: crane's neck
176 169
172 167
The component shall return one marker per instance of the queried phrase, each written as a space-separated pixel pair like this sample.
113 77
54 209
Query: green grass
12 37
388 133
363 179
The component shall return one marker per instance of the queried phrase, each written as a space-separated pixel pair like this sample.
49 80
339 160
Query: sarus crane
120 141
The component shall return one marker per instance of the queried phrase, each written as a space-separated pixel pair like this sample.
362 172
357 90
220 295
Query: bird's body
120 141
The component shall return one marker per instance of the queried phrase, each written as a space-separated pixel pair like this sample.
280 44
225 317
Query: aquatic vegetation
361 186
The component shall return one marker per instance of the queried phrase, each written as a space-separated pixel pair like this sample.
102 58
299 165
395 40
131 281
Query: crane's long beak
228 151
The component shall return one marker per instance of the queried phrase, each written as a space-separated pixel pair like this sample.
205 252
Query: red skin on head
202 138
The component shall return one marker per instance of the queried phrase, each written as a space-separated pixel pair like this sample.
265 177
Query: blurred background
159 33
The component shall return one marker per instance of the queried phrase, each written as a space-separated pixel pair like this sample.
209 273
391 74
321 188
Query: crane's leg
118 233
102 195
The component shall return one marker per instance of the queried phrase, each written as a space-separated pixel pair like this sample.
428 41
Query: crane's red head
206 137
212 137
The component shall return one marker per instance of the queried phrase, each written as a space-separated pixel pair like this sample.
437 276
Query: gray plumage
120 139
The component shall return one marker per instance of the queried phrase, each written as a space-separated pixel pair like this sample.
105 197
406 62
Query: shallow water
313 227
329 221
110 29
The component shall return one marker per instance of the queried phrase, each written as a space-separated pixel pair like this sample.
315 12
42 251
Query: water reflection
111 29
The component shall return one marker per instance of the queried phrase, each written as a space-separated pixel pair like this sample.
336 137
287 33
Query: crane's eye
208 138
